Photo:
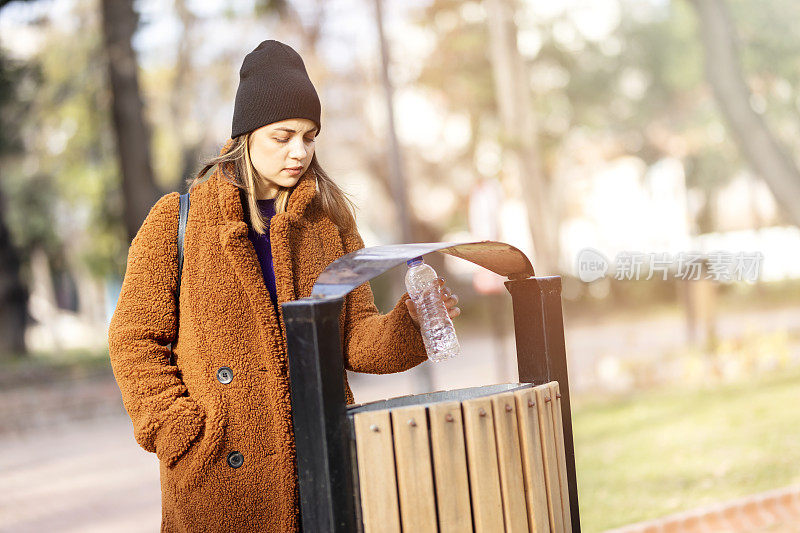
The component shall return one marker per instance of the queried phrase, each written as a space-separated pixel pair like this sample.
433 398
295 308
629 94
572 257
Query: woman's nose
298 151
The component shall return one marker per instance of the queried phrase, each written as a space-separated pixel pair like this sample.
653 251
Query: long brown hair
333 200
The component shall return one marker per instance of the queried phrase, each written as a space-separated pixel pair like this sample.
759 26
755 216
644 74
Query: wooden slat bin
483 459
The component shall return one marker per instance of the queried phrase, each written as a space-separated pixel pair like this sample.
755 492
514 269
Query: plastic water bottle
435 324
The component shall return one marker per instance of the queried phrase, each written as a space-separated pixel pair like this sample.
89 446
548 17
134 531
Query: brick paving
776 511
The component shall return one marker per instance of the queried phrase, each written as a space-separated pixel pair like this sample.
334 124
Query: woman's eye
287 140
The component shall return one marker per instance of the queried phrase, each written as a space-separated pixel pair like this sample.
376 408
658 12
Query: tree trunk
398 179
397 174
519 134
759 146
13 295
133 137
191 139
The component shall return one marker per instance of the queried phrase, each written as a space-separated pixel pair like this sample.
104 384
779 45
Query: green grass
655 453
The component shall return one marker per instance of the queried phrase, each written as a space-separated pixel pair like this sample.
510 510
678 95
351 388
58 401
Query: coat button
235 459
225 375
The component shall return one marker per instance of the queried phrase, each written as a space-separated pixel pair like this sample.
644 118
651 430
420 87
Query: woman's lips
294 171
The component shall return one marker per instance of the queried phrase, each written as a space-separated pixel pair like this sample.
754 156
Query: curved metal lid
353 269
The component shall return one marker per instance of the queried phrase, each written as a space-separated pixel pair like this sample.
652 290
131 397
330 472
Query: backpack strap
183 216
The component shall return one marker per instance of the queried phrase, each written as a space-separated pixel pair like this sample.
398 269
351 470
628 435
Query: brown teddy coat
184 413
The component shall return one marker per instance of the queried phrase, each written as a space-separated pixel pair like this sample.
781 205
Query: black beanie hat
273 86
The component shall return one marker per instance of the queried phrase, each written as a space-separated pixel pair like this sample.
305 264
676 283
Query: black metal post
542 355
316 370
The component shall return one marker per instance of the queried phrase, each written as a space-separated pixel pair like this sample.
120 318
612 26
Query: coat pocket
188 471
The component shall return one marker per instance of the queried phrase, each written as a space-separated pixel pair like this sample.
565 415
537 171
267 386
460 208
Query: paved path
85 477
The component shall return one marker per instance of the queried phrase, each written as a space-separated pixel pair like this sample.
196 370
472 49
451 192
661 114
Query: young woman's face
277 149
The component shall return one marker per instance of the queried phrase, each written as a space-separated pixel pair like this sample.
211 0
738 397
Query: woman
261 228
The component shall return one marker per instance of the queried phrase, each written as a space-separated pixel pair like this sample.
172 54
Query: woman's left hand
450 301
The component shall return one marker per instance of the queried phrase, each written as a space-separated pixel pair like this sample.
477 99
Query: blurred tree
757 142
307 27
177 106
132 133
637 88
622 79
62 182
180 100
395 159
4 2
13 293
396 171
519 133
476 68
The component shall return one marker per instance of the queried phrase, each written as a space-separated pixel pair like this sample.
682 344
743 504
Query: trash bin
492 458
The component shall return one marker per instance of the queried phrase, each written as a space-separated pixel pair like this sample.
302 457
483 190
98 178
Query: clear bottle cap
415 261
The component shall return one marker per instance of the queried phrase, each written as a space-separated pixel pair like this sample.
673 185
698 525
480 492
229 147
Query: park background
647 126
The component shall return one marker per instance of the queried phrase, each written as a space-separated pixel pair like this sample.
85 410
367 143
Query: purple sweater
262 245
